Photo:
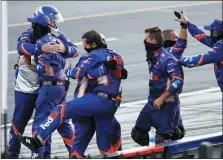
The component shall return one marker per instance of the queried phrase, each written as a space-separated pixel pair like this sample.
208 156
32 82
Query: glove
178 15
110 65
184 62
16 66
68 72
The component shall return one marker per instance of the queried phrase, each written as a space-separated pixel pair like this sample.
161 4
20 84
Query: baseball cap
217 25
41 19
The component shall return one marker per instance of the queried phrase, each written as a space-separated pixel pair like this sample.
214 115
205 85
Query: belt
107 96
53 83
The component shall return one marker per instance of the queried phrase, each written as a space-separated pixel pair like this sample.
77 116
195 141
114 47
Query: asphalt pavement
124 22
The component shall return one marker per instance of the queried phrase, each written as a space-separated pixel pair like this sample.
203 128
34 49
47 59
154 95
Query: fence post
205 150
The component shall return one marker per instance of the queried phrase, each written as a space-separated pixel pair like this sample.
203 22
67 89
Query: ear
93 45
153 41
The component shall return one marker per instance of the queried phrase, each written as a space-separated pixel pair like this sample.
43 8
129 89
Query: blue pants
24 107
49 97
84 131
163 120
90 105
178 119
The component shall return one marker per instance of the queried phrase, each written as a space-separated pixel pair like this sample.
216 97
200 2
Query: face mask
55 32
39 30
102 45
89 50
168 43
150 49
216 35
105 45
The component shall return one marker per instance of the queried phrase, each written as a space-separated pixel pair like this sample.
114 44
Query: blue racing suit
215 55
52 91
98 104
85 126
27 86
177 50
165 75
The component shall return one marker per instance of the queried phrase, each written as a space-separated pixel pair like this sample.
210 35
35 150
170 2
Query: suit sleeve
44 66
71 49
199 35
97 72
24 46
213 56
175 75
87 66
178 49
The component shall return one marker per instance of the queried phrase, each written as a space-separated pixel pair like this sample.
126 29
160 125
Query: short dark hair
167 34
155 33
92 36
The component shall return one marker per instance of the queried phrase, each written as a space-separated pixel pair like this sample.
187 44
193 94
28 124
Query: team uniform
213 56
165 75
98 104
52 91
177 51
27 87
85 126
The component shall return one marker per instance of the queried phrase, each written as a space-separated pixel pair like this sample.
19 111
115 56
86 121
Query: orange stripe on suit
15 129
111 150
200 36
24 50
77 154
46 67
117 145
69 141
201 61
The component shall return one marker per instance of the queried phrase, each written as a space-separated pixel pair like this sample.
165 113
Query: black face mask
168 43
101 45
216 35
88 49
39 30
105 45
150 49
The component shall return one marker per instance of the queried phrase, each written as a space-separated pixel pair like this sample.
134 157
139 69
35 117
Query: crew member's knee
140 136
176 135
183 131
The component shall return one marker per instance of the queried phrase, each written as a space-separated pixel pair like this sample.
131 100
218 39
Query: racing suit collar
97 50
158 52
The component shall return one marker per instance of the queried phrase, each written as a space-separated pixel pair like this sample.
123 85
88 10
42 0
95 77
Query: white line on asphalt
126 12
193 93
76 43
131 104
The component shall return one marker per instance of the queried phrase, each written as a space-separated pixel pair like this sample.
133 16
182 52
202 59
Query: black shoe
32 143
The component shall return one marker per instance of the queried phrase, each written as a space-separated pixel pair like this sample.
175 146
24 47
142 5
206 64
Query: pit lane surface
201 114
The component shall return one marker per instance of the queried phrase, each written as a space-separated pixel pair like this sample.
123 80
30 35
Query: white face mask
55 32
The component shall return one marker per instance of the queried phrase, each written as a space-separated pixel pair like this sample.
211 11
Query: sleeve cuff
172 90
